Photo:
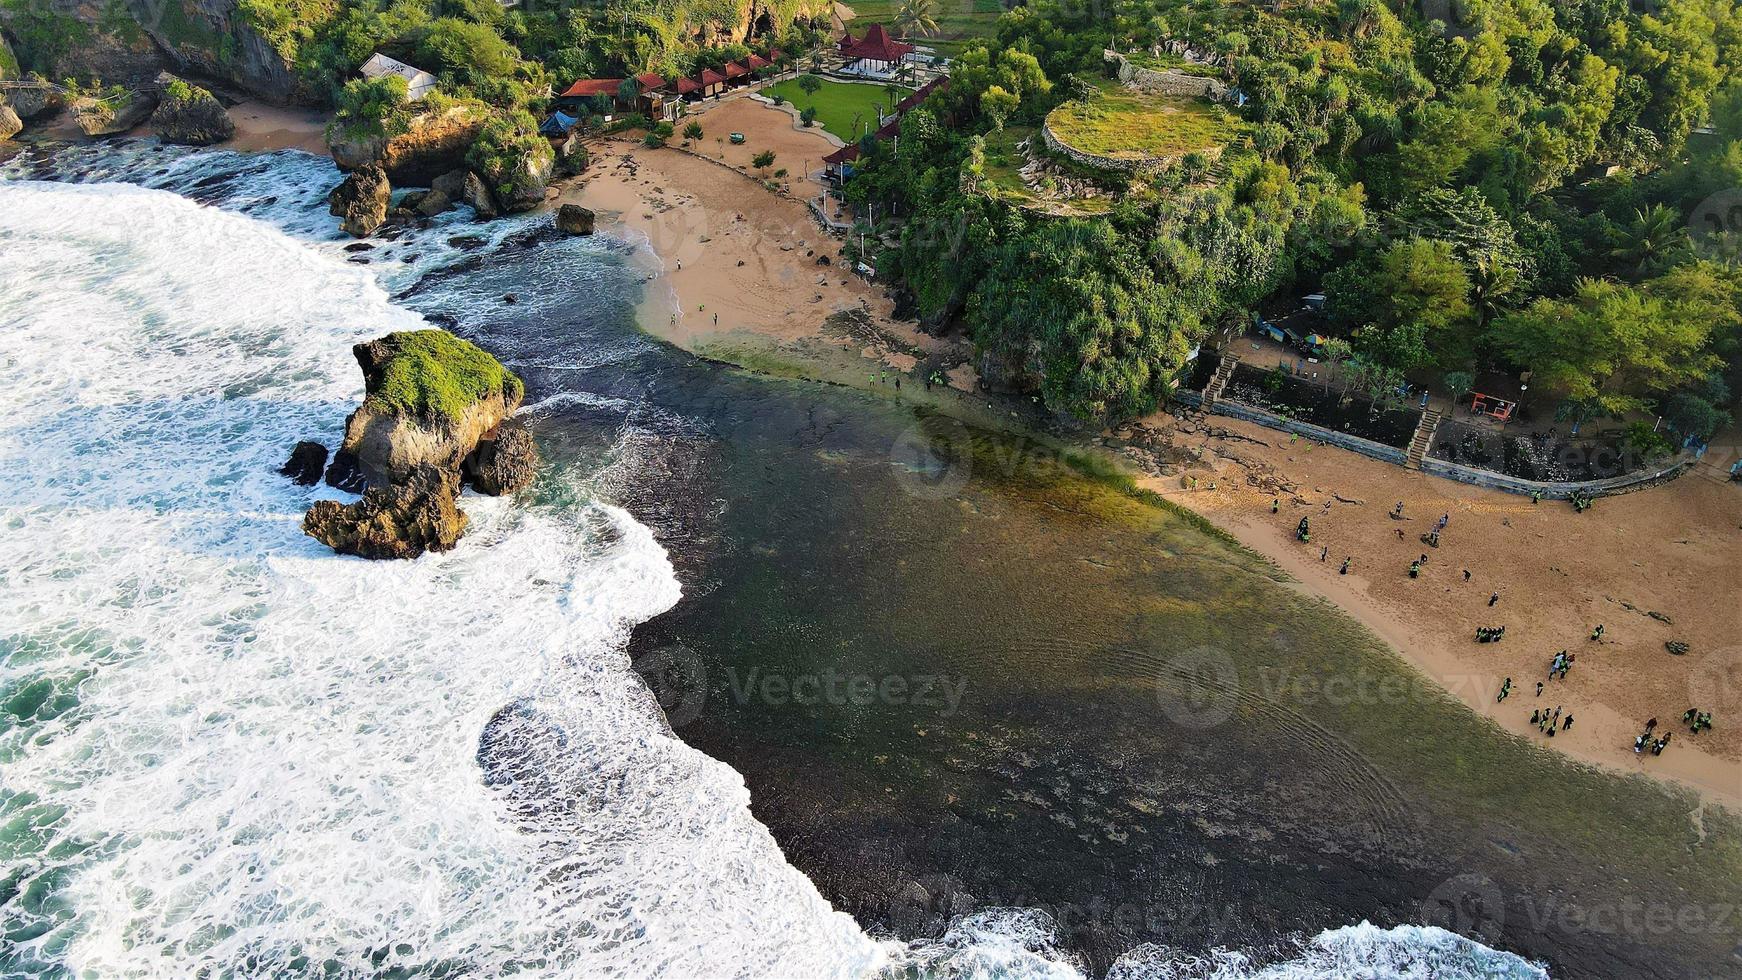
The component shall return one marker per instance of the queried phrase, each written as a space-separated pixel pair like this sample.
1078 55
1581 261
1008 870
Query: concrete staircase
1423 440
1219 380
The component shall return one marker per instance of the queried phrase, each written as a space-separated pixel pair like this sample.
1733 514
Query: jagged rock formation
478 196
305 464
402 520
30 100
189 115
361 201
431 145
434 411
504 461
574 220
111 114
10 124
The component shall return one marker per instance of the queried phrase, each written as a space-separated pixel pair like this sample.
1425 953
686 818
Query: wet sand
1670 550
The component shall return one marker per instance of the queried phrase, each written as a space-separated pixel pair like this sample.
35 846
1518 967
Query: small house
418 83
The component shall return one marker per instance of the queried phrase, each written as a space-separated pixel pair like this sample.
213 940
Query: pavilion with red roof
876 46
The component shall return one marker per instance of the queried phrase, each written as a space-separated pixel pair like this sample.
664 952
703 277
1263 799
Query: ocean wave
236 752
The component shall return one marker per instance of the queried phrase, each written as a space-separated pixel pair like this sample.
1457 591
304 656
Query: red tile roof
735 70
592 86
844 154
651 81
756 61
775 54
712 77
687 85
877 45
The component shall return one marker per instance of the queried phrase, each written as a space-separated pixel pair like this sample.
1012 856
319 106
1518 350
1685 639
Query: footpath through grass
847 109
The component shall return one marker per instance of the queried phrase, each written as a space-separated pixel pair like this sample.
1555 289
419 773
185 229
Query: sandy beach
740 278
744 269
1654 566
261 128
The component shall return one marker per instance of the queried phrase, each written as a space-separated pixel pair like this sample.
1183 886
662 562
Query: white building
418 83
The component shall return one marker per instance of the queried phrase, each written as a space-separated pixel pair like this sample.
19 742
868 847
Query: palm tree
1652 239
917 17
1492 283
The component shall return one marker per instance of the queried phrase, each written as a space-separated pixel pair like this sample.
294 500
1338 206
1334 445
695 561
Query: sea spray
222 747
258 757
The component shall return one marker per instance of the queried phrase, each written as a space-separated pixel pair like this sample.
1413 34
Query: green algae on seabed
437 375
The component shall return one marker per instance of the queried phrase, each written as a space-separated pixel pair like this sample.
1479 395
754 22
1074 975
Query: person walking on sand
1345 569
1466 574
1494 597
1275 504
1650 723
1597 634
1639 743
1324 552
1415 569
1568 723
1397 512
1539 689
1505 689
1536 717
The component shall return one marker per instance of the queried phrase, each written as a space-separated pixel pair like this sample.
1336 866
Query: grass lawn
957 22
847 109
1121 123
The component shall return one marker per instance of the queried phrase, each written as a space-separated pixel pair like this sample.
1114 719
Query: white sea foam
224 748
274 754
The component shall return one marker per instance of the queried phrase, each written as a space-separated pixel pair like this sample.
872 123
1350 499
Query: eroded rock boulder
430 398
504 462
112 112
361 201
31 100
478 197
401 520
306 463
189 115
432 144
574 220
10 124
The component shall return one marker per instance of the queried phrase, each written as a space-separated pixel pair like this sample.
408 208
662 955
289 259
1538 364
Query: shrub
663 130
371 106
436 374
653 140
808 116
693 131
509 151
1640 438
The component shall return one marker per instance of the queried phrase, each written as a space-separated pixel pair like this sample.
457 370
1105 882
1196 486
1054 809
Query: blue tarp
558 124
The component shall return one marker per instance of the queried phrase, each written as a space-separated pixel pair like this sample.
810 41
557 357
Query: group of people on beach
1561 663
1548 723
1490 634
1645 740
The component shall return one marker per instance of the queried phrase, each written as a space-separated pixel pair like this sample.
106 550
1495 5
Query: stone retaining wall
1166 81
1448 470
1124 165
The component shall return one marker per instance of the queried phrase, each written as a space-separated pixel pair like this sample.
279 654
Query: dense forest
1506 185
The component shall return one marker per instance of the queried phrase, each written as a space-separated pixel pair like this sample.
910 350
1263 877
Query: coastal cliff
131 41
436 411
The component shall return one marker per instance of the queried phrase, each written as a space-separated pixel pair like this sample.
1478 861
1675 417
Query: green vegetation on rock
437 375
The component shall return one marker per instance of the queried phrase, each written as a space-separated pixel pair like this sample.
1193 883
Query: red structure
876 46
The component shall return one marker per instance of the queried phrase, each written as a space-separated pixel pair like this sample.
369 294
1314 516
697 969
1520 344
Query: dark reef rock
361 201
404 520
306 462
190 115
504 461
573 219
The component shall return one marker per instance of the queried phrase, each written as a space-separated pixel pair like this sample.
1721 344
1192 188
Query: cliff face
433 144
131 41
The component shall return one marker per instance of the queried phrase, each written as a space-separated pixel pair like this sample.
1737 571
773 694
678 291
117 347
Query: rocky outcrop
305 464
521 188
571 154
431 145
436 411
8 61
403 520
431 398
189 115
32 99
361 201
504 462
110 114
573 219
10 124
478 197
130 41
